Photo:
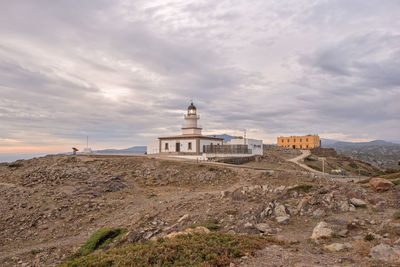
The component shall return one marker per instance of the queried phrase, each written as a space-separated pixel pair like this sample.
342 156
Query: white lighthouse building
190 142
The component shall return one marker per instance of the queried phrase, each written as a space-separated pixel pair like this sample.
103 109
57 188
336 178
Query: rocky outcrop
380 185
385 253
321 231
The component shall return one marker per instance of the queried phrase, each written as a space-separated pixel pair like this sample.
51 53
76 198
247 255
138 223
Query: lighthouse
191 119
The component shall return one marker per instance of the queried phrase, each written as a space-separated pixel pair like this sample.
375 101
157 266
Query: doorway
178 147
294 146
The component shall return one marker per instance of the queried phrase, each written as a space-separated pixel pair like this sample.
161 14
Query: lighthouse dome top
191 109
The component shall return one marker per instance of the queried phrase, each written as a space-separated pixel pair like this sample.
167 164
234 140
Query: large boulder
321 231
380 184
385 253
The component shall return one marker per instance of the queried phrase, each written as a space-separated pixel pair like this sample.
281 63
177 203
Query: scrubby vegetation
15 165
215 249
303 188
211 224
98 240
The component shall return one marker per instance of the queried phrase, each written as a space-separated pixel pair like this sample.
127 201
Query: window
282 140
288 140
306 139
301 140
294 140
166 146
190 146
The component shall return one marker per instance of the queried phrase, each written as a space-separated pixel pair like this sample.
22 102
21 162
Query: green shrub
99 240
369 237
212 249
303 188
396 215
391 170
353 165
211 224
396 182
15 165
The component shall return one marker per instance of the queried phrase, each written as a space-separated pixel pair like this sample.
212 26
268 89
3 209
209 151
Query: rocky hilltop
52 205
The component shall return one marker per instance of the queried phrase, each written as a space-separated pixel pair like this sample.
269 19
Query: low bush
99 240
396 215
369 237
212 249
15 165
353 165
303 188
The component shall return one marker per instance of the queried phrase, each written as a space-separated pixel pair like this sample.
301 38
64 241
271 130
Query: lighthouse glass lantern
191 109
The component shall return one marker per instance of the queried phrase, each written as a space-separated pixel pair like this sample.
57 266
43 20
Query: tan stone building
300 142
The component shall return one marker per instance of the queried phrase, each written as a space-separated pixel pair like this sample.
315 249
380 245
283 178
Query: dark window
166 146
301 140
283 140
306 139
190 146
294 140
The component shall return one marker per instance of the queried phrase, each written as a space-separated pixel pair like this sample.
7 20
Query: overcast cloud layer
123 72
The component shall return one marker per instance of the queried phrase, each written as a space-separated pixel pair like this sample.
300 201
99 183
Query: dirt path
304 154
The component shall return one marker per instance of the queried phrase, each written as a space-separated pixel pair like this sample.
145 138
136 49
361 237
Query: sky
123 72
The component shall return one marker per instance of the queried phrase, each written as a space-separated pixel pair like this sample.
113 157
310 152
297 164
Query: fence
226 149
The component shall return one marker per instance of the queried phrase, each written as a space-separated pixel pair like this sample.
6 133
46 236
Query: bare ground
52 204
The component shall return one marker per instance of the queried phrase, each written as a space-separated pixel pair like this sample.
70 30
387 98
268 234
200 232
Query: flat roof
191 136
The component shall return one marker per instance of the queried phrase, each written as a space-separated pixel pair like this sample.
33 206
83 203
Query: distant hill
130 150
377 152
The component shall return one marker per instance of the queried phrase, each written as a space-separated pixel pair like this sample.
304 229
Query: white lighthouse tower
191 118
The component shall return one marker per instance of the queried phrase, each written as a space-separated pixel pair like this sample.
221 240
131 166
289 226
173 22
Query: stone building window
190 146
166 146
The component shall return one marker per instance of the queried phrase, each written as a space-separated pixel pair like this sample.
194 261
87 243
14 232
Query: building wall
255 145
184 145
153 147
205 142
191 131
300 142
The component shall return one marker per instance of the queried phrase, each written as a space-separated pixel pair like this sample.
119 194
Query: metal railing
227 149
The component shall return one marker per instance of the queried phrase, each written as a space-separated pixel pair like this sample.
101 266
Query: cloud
124 71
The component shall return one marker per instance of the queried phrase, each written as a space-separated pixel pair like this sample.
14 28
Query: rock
343 233
338 247
263 228
198 229
282 219
386 253
321 231
358 202
280 211
248 225
279 189
397 231
397 242
318 213
184 218
380 184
